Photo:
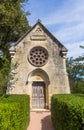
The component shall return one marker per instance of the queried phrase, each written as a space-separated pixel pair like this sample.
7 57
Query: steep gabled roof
46 31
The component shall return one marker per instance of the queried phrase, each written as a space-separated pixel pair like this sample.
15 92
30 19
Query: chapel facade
38 67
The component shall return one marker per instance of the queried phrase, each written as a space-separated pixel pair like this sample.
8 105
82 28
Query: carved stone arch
38 81
39 72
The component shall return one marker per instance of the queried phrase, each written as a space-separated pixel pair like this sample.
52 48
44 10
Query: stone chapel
38 67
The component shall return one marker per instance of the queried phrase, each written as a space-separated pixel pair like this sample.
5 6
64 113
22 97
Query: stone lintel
38 37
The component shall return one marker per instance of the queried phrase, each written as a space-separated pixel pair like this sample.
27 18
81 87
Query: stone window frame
38 56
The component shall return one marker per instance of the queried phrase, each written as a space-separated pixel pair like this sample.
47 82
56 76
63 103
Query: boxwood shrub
67 111
14 112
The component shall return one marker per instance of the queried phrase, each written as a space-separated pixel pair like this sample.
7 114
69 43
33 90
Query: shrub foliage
4 74
67 112
14 112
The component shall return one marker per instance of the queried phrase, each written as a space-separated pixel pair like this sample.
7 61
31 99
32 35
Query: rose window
38 56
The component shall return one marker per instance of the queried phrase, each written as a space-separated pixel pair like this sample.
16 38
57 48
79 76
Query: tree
4 73
75 69
82 47
13 23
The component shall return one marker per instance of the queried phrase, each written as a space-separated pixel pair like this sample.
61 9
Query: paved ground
40 120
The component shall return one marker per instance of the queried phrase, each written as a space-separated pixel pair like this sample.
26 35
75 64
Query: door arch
39 80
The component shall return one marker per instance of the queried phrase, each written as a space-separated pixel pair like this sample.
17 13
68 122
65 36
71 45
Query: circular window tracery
38 56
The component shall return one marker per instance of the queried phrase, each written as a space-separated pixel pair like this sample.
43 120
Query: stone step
40 110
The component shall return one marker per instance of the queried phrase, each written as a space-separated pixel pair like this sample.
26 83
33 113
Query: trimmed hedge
14 112
67 111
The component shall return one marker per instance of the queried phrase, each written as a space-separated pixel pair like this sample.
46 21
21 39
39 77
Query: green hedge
14 112
67 111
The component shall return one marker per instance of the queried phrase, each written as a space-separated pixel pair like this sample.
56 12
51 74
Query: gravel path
40 121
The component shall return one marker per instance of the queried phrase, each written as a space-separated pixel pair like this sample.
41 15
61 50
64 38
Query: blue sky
63 18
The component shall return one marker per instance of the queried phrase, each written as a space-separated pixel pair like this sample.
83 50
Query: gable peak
38 21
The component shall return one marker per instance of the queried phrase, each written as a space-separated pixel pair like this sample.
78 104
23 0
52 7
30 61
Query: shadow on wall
47 123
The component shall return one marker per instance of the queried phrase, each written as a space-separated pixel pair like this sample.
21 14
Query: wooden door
38 95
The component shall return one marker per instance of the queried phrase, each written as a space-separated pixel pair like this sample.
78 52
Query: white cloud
74 49
70 12
68 19
69 34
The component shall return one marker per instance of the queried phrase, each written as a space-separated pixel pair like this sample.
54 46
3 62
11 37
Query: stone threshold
39 110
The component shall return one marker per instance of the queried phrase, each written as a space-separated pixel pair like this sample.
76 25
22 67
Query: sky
63 18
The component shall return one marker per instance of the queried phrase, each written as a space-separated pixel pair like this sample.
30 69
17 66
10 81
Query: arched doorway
39 84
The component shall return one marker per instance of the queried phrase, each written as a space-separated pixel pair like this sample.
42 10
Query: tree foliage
75 69
13 22
4 73
82 47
